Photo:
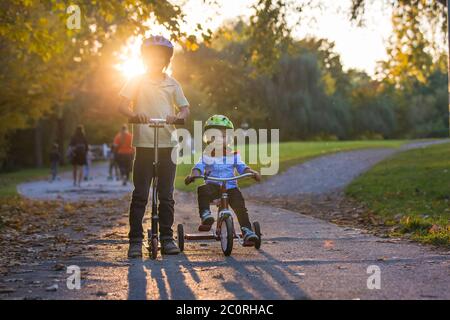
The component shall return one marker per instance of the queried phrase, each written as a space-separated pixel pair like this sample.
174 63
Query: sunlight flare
131 64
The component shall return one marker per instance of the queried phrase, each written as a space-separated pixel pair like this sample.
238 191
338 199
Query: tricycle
224 227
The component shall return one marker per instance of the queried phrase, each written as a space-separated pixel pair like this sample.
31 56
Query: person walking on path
124 152
113 170
88 166
55 158
78 151
153 95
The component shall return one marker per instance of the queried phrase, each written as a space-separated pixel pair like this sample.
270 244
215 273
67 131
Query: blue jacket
222 167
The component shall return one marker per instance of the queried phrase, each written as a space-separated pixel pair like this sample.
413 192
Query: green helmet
218 121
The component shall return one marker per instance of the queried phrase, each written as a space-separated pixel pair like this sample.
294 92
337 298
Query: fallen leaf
328 244
6 290
52 288
59 267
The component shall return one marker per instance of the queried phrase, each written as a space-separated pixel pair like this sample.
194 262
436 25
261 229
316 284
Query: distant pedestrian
88 166
113 166
124 152
55 158
78 151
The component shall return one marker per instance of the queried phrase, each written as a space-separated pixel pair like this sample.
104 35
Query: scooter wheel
154 248
257 229
149 240
149 236
180 232
227 236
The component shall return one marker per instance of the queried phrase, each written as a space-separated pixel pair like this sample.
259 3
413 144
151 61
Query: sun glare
131 64
131 67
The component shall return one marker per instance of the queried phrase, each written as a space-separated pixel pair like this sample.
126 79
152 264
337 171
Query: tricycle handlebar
206 177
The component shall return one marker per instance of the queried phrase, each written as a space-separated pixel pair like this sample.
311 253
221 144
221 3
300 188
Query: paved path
97 188
328 173
301 257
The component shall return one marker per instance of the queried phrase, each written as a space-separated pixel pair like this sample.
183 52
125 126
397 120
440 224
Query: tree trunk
448 35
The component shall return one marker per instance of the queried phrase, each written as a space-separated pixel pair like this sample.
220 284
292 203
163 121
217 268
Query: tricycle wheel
180 232
226 236
257 229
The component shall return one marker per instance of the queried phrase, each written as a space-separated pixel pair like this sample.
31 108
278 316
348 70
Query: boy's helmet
218 121
157 41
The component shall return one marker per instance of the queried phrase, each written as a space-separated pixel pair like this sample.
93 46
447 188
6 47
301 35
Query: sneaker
135 250
168 246
249 236
207 218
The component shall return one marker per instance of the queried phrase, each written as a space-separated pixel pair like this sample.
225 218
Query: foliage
46 64
432 11
309 94
253 71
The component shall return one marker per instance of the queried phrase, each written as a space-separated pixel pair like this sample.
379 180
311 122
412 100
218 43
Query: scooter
152 233
224 230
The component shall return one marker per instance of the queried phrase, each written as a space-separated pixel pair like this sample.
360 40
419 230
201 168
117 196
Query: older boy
153 95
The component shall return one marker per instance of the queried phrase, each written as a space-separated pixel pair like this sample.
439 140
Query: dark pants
142 176
124 161
208 192
54 169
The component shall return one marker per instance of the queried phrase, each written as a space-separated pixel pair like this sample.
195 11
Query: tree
45 62
433 11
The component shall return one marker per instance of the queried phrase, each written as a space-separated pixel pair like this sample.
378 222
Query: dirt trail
301 258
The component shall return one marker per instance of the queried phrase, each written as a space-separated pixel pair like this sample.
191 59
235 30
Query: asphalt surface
327 174
301 257
97 187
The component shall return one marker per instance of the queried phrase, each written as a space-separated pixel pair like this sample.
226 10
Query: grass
10 180
411 193
292 153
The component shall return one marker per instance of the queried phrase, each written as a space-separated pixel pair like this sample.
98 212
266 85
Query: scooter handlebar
154 121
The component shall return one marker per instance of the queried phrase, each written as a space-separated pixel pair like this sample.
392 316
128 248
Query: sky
360 47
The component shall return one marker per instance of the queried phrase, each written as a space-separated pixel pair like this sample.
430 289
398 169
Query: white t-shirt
156 99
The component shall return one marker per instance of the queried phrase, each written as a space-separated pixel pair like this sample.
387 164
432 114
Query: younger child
223 166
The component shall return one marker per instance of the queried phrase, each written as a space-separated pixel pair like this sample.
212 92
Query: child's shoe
249 237
168 246
135 250
207 218
207 221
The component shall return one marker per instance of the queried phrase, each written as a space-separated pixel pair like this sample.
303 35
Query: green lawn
291 153
10 180
410 192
